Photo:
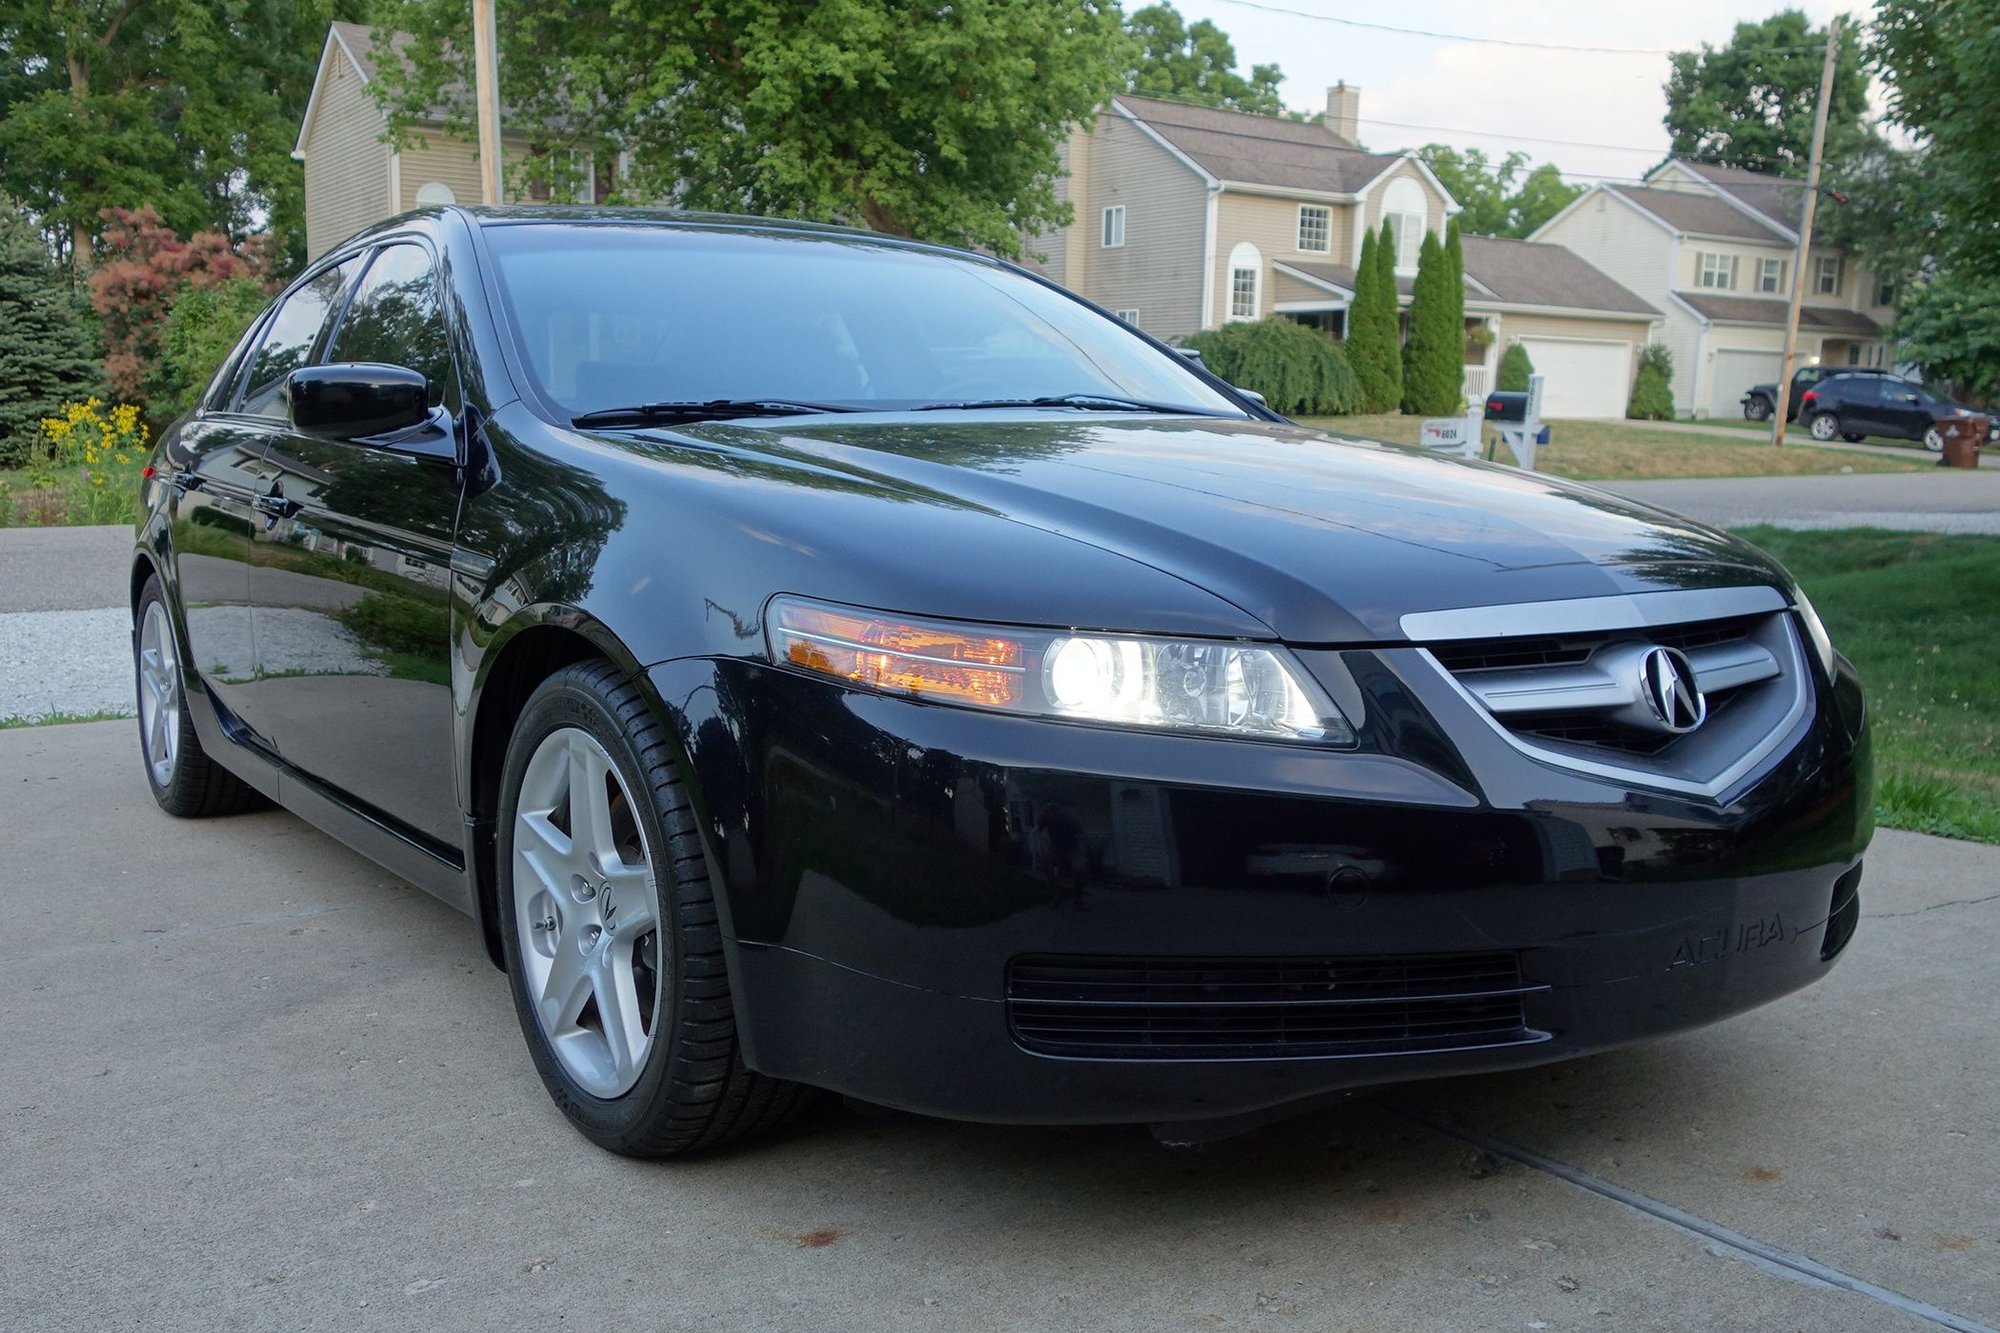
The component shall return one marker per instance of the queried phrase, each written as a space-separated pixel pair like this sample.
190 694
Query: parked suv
1853 406
1761 400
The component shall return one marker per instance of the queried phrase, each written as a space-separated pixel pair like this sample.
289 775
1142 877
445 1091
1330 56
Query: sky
1605 108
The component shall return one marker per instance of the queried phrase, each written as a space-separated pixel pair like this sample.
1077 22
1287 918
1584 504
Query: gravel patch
65 662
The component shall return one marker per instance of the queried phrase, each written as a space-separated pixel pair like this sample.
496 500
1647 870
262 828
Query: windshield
619 316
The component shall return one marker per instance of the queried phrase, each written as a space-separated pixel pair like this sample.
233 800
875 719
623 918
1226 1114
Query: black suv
1854 406
1761 400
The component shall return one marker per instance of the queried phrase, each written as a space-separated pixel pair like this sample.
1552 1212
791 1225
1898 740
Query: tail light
1811 397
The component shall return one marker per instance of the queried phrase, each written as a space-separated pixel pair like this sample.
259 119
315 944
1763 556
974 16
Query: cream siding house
1189 217
1713 248
353 176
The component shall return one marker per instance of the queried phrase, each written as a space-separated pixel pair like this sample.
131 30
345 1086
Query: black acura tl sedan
822 661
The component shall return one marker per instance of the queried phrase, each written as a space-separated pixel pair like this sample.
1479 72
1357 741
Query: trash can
1962 438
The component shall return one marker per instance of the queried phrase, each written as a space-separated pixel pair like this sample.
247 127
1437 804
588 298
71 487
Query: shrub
1371 333
1515 367
1433 362
89 463
399 624
199 331
1299 372
1653 387
48 355
143 269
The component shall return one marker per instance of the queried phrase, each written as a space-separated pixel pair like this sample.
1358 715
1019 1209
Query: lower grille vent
1264 1008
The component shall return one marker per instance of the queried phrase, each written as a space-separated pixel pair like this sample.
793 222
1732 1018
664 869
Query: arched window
1246 281
434 192
1403 209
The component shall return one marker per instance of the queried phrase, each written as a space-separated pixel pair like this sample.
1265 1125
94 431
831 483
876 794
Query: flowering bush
91 463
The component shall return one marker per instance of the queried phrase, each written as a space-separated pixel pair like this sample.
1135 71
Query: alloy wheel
587 913
1934 440
1824 426
159 694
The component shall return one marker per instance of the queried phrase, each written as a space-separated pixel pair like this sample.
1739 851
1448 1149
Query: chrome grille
1568 681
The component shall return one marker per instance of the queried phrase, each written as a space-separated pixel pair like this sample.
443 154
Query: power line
1521 42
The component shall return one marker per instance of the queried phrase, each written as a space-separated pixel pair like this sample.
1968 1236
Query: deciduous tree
1501 198
1196 62
1750 102
191 106
934 121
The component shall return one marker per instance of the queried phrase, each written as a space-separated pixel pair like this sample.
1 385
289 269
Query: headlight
1821 642
1203 686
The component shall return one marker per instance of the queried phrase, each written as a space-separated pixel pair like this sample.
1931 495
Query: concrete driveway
1947 500
250 1081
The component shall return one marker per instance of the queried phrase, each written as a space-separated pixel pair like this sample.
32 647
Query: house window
1854 354
1827 281
1408 228
1246 269
1128 316
1718 271
1885 292
1315 228
1114 226
1770 275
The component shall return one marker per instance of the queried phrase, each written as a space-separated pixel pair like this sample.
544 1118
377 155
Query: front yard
1915 612
1622 451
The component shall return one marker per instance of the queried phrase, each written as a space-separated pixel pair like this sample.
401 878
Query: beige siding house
1188 217
354 177
1713 248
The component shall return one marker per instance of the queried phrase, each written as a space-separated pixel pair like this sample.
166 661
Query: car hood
1323 539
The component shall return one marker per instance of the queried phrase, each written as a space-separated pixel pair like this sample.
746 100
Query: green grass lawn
1621 451
1917 613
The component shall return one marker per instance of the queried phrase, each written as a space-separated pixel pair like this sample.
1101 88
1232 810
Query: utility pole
486 91
1805 239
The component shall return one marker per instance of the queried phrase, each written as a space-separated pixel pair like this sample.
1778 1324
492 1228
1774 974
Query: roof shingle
1702 214
1755 310
1541 273
1260 150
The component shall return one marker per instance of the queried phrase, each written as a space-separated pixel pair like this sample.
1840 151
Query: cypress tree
1370 345
1455 251
1388 310
1431 362
47 354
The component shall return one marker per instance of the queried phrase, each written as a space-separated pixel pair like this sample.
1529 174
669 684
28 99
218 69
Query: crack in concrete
1919 911
1720 1240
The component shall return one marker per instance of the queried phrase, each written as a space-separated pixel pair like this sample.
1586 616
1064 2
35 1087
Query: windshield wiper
1091 401
715 409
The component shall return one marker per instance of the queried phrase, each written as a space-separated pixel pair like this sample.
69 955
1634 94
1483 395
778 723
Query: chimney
1343 111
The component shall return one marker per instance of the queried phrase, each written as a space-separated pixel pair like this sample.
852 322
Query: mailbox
1506 407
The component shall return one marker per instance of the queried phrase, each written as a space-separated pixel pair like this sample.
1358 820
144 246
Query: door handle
184 481
275 505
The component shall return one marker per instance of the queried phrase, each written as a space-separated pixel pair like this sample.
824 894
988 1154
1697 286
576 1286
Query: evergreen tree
1431 361
1454 250
48 355
1371 344
1515 367
1388 308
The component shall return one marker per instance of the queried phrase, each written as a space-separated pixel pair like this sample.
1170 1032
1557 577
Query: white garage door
1736 371
1582 378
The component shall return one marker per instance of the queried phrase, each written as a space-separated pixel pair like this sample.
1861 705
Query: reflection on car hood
1324 540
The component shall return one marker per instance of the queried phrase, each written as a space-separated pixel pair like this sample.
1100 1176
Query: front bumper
888 865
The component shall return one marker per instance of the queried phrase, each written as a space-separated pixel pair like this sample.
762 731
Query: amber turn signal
898 656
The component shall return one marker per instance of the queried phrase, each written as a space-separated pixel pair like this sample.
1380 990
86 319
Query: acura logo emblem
1666 682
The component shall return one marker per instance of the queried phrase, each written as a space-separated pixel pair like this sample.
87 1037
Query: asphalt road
252 1082
1942 501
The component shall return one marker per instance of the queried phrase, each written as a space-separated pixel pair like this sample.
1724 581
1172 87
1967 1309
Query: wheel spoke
544 849
157 741
618 1008
590 807
566 987
632 889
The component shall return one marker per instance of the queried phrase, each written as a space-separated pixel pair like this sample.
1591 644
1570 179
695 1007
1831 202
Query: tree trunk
79 230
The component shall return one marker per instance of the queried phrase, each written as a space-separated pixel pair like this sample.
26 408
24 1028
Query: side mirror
353 400
1191 353
1251 394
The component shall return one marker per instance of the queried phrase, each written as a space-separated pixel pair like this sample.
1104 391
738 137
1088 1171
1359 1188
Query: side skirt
368 833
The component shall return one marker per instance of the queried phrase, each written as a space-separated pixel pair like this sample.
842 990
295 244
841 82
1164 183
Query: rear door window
289 338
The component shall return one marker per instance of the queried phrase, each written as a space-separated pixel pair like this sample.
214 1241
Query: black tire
1823 426
1852 437
195 786
693 1091
1757 409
